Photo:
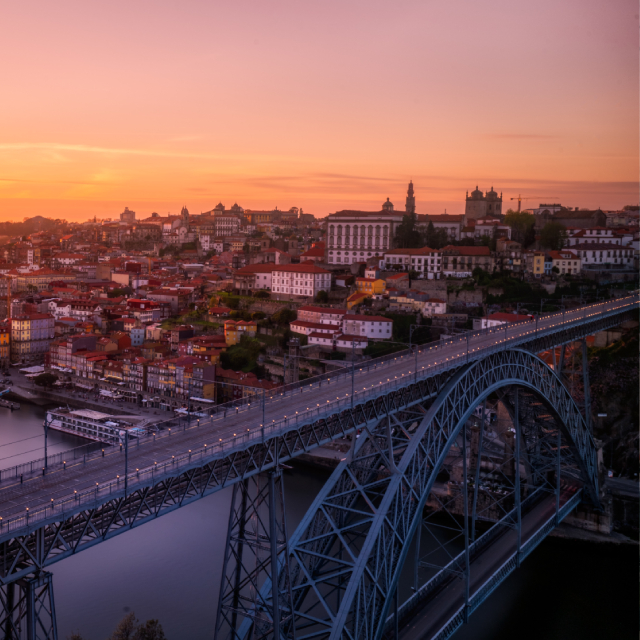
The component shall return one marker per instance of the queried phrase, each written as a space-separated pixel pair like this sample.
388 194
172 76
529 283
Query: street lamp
125 436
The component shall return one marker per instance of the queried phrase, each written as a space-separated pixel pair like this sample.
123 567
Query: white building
433 307
603 254
299 279
322 315
226 224
595 235
369 326
307 328
497 319
426 261
354 236
452 224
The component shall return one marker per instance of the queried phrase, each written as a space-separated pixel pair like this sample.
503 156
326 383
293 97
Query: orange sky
323 106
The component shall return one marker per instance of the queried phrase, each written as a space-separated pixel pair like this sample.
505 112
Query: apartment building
31 335
370 326
425 261
302 280
603 253
459 262
321 315
566 262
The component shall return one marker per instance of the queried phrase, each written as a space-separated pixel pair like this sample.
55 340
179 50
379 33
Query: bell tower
410 206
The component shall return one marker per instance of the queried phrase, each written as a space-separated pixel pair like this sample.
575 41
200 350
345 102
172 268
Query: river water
170 569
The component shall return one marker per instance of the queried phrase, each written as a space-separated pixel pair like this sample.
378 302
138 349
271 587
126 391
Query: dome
476 193
492 193
219 207
387 206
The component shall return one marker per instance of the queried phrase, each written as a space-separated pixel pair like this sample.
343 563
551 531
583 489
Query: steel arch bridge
339 573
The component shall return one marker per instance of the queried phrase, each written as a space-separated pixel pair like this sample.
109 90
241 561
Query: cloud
521 136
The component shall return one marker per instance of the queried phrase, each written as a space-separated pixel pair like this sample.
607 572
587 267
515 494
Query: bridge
410 418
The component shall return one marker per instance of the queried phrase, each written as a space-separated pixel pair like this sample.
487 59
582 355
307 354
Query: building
306 328
235 329
127 215
596 253
566 262
534 263
370 286
576 218
496 319
321 315
31 335
299 280
354 236
434 307
5 343
452 224
426 261
598 235
479 205
370 326
459 262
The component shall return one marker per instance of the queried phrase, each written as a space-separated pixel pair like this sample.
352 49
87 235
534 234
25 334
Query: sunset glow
323 106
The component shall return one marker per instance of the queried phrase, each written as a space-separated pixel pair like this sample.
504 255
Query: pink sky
321 105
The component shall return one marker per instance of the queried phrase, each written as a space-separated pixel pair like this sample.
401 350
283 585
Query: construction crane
520 199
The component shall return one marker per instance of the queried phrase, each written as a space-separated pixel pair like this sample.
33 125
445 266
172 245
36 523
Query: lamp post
125 436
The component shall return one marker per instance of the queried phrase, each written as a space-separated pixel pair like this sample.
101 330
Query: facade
434 307
598 235
354 236
370 286
479 205
425 261
307 328
567 262
452 224
300 280
459 262
5 343
321 315
496 319
31 335
596 253
370 326
235 329
534 263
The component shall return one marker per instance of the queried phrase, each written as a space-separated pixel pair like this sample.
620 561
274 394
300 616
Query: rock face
613 372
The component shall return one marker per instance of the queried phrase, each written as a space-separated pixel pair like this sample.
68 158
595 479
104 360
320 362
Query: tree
322 296
284 317
434 238
413 275
45 380
407 236
130 629
261 294
553 235
522 225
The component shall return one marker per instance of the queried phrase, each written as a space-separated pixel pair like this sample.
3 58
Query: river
170 569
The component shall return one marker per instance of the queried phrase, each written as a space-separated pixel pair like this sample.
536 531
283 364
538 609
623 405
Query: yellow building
235 329
5 343
356 298
370 286
538 264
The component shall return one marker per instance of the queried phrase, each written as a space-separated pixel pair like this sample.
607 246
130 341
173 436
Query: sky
320 105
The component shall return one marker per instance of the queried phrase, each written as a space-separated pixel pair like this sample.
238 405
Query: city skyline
323 108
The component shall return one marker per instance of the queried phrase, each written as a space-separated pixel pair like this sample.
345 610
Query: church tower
410 205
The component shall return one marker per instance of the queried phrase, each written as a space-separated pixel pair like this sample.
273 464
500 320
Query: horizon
320 107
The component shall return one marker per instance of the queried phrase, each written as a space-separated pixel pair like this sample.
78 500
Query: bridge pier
256 555
27 610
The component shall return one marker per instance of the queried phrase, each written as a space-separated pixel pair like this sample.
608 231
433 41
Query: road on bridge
437 612
38 491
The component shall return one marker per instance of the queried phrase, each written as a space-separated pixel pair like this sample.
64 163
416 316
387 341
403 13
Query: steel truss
347 554
256 551
27 611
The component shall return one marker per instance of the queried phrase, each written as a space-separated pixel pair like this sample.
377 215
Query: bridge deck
446 603
240 430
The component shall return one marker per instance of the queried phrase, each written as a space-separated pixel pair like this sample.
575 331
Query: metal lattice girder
256 550
38 547
347 554
27 610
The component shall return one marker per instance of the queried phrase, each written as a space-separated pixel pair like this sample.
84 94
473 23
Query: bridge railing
281 426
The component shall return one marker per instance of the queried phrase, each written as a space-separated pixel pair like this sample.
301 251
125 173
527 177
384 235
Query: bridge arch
348 552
